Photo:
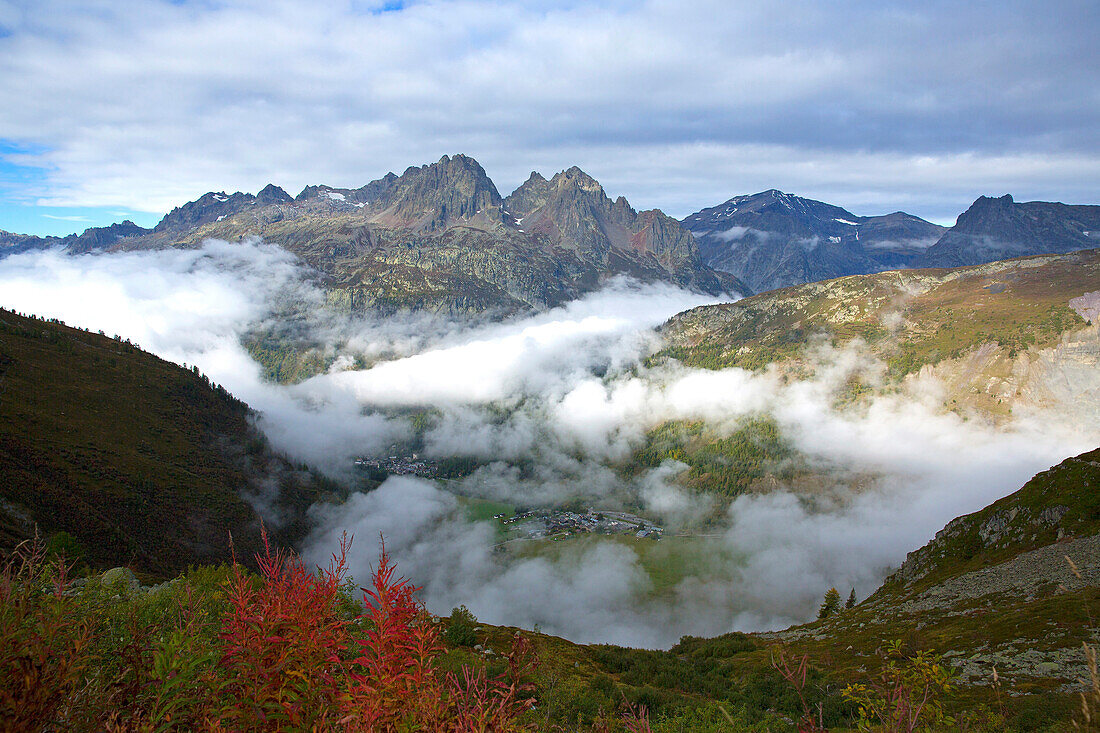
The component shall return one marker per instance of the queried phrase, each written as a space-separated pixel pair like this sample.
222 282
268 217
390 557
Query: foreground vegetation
223 649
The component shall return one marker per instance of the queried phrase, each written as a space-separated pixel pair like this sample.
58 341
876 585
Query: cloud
67 218
553 404
840 101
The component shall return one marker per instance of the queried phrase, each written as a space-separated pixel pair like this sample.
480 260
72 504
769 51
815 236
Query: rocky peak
576 178
532 194
433 197
996 228
572 210
272 194
205 209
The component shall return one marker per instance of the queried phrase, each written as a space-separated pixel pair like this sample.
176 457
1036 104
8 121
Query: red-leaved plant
283 657
284 645
43 651
396 685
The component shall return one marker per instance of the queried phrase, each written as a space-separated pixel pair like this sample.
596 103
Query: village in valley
540 523
558 524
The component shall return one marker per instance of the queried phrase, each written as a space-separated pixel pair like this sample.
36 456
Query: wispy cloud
67 218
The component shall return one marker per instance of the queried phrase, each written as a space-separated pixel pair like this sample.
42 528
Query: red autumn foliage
42 650
284 645
396 684
277 652
292 662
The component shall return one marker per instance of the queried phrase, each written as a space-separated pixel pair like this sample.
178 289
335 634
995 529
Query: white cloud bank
551 399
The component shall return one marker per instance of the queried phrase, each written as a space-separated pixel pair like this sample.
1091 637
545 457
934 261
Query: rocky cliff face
571 211
772 239
999 228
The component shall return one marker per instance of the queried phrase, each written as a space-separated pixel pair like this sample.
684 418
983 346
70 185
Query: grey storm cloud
875 105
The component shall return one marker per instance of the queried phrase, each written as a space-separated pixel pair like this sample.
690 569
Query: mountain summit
773 239
999 228
572 210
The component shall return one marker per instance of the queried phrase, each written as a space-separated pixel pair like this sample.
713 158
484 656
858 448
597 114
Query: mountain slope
140 460
773 239
997 335
992 590
999 228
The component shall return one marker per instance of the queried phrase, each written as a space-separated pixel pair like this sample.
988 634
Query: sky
116 109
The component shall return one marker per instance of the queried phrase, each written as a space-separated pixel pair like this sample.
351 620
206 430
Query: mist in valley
550 407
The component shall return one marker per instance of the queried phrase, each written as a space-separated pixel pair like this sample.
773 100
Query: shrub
908 694
43 651
283 643
460 628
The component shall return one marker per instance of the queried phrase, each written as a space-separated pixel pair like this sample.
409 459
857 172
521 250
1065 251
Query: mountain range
773 239
440 238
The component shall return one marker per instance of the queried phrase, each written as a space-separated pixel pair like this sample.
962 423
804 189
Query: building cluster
411 465
559 524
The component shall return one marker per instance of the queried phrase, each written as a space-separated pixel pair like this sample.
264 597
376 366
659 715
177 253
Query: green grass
727 465
666 562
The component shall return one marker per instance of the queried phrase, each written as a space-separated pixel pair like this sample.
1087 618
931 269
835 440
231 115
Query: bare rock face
572 211
208 208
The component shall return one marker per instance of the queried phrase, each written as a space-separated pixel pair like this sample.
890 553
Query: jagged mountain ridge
999 228
773 239
92 239
439 238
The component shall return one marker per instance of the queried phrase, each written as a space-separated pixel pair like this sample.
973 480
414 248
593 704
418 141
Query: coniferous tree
851 600
830 605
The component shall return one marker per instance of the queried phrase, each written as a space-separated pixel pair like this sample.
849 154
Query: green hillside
909 318
138 460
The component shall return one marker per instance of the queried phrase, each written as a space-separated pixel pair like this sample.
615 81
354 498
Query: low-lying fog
565 394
